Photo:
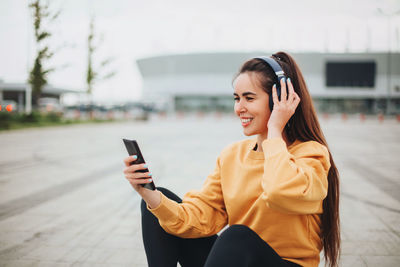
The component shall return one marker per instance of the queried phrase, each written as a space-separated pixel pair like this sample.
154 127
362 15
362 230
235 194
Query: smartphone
133 149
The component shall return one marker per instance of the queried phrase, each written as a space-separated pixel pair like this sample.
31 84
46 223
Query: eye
236 99
249 98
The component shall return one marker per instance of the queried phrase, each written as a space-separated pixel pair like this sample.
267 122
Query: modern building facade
345 82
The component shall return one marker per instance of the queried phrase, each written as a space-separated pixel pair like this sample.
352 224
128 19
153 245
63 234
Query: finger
129 160
283 90
291 96
138 175
140 181
297 100
274 95
136 167
295 95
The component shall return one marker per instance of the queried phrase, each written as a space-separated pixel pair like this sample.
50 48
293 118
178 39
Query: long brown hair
304 126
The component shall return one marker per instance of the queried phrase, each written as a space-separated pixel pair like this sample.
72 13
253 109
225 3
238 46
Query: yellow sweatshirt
277 193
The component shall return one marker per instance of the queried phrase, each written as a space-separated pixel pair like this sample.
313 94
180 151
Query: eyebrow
244 94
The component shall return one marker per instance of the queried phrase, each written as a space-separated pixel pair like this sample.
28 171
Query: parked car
48 104
12 103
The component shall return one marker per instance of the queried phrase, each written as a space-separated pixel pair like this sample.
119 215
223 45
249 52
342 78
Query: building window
350 74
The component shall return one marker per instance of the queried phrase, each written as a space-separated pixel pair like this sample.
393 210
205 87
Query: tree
38 74
95 74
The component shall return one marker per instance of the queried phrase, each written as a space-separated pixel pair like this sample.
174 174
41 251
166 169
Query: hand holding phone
133 149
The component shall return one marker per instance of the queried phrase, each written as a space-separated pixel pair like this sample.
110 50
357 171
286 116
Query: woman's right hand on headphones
283 109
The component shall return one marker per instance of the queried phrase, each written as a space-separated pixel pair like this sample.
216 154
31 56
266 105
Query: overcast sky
134 29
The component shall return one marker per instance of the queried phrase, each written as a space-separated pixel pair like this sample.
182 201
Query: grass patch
12 121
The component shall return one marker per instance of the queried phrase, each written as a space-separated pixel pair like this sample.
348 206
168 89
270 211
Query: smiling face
251 104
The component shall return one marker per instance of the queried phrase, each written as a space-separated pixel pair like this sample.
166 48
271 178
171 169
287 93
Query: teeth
246 120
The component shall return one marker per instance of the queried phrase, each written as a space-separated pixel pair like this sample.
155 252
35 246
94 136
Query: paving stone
351 261
382 261
97 223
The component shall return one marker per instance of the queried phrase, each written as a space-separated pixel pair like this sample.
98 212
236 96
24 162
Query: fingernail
150 180
150 174
288 79
283 79
134 157
145 166
274 85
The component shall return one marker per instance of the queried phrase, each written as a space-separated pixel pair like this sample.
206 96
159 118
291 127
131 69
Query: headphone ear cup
271 103
278 92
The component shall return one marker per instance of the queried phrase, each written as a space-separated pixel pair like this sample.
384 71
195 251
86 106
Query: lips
246 121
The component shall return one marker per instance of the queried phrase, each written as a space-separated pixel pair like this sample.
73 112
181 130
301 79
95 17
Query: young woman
279 192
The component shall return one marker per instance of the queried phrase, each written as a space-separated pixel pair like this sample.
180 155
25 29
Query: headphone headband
280 74
274 65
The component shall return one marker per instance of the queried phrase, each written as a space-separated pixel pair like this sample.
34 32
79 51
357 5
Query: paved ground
64 201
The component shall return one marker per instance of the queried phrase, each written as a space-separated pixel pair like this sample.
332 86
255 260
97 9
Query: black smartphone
133 149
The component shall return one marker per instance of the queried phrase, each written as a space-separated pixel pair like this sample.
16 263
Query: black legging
237 246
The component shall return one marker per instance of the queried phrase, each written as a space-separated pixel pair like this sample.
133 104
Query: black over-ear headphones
279 74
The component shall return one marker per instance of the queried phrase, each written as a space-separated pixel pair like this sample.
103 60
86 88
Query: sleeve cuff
273 146
167 211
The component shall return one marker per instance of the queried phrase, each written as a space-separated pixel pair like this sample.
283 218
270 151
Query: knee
238 233
237 230
230 247
143 206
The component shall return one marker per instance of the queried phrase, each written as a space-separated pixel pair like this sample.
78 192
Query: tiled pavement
64 201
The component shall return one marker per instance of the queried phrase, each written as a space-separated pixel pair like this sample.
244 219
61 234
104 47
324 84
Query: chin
248 133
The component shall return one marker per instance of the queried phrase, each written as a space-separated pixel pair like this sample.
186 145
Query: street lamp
389 74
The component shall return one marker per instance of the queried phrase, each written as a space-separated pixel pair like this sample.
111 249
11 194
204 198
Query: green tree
38 74
95 73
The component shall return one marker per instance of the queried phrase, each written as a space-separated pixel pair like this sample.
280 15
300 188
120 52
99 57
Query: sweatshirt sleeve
296 183
201 213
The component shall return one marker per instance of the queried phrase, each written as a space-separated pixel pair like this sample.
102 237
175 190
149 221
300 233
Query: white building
348 82
20 94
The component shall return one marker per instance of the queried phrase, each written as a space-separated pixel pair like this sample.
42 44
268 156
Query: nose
240 107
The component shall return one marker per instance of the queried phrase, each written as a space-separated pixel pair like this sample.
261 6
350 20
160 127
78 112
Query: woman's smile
245 121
